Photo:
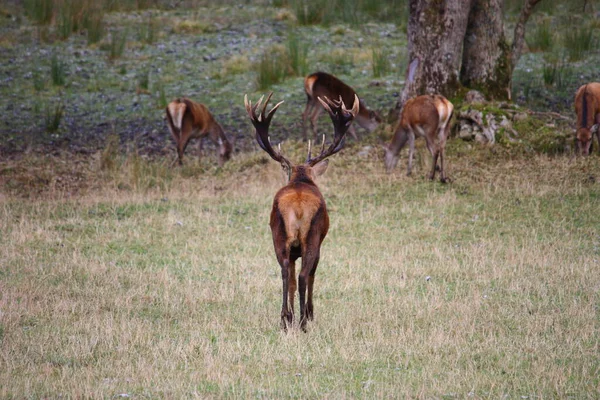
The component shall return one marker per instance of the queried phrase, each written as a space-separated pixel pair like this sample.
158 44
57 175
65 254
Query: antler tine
341 118
261 124
309 151
323 145
355 106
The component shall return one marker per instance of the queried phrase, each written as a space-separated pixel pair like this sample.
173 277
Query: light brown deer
587 108
425 116
299 219
189 120
321 84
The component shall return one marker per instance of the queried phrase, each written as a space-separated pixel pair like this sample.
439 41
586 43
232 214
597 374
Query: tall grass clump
297 54
93 23
310 12
161 96
53 116
39 83
57 71
271 69
579 41
116 45
147 32
541 38
340 61
380 62
353 12
39 11
65 24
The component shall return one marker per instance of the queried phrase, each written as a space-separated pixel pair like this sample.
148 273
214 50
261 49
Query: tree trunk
486 56
436 29
448 36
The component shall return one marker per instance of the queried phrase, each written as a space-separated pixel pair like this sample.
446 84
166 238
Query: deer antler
341 118
261 124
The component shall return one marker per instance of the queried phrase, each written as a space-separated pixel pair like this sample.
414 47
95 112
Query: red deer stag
299 219
427 116
321 84
189 120
587 108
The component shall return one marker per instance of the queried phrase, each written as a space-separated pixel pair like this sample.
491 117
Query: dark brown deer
189 120
321 84
425 116
299 219
587 108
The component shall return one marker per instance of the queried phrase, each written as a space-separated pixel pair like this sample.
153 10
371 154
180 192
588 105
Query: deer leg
311 281
286 315
292 286
443 178
434 157
411 151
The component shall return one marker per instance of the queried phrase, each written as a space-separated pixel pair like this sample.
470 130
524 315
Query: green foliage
271 69
380 62
297 54
93 23
148 31
65 20
352 12
143 80
39 11
57 70
340 61
557 73
542 37
116 45
54 112
578 41
161 97
39 83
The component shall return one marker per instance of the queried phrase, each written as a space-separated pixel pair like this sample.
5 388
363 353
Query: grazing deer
321 84
427 116
299 219
189 120
587 108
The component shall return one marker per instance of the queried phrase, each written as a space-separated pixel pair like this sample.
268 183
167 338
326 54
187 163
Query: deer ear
320 168
594 128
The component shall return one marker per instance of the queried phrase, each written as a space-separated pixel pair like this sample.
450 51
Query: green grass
271 69
484 287
58 70
380 65
579 41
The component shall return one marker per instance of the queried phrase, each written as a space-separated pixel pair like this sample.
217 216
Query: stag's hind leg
292 286
287 316
311 281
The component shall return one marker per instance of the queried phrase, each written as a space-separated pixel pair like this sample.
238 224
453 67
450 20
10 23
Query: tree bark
436 29
486 54
461 43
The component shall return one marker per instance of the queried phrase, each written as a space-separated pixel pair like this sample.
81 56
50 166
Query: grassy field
121 277
486 287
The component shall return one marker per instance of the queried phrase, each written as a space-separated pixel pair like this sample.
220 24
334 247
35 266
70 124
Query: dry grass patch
485 287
